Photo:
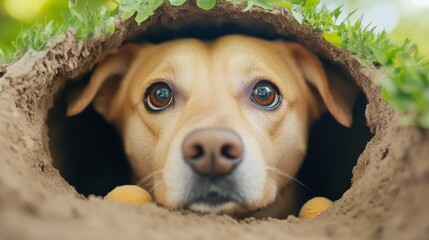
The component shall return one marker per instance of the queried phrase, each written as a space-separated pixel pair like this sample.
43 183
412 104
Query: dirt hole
88 152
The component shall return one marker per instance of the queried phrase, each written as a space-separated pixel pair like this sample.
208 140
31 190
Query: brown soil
387 200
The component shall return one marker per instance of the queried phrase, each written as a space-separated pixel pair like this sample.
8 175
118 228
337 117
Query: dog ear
103 82
337 92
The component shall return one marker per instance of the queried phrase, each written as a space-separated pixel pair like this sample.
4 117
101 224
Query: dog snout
213 152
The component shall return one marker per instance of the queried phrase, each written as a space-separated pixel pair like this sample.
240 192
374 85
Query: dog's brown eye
158 96
266 95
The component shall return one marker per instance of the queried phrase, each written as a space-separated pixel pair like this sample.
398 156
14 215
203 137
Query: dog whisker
294 192
283 202
151 190
284 174
144 180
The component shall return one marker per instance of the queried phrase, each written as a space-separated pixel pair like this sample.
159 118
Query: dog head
216 126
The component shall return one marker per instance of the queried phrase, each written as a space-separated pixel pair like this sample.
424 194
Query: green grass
85 24
404 80
405 76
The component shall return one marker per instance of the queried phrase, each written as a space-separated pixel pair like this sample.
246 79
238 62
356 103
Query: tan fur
211 82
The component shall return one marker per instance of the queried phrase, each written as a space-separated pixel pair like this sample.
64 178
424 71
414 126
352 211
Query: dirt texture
388 198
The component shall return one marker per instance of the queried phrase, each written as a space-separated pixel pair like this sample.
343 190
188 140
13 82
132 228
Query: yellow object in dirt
314 207
129 194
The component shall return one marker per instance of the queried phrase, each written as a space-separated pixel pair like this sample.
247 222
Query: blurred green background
402 18
16 15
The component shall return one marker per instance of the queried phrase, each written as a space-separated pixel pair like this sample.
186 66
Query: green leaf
337 12
154 4
177 2
262 4
74 12
143 15
49 28
334 38
126 15
206 4
298 16
110 25
249 6
350 14
128 8
311 4
379 55
280 3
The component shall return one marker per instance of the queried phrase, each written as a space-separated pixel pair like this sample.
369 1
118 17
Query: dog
216 126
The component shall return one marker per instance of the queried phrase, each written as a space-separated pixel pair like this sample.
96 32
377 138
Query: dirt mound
387 200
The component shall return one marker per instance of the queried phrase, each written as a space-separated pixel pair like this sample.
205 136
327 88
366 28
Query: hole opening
88 151
333 151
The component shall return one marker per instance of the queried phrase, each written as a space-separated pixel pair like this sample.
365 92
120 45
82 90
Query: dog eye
158 96
266 95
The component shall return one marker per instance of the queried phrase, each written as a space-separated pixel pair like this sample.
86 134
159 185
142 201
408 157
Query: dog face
217 126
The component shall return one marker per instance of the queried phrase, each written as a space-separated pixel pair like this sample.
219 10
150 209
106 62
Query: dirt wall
387 200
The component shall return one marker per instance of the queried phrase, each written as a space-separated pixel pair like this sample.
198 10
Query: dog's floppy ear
337 92
103 83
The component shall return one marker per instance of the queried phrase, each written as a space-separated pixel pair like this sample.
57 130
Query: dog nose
213 152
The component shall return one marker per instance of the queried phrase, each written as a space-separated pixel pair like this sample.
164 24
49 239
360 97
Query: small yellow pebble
129 194
314 207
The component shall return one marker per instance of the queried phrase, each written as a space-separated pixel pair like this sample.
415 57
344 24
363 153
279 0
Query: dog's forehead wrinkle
243 51
204 69
244 65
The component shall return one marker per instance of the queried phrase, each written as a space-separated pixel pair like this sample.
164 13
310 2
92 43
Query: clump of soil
387 199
